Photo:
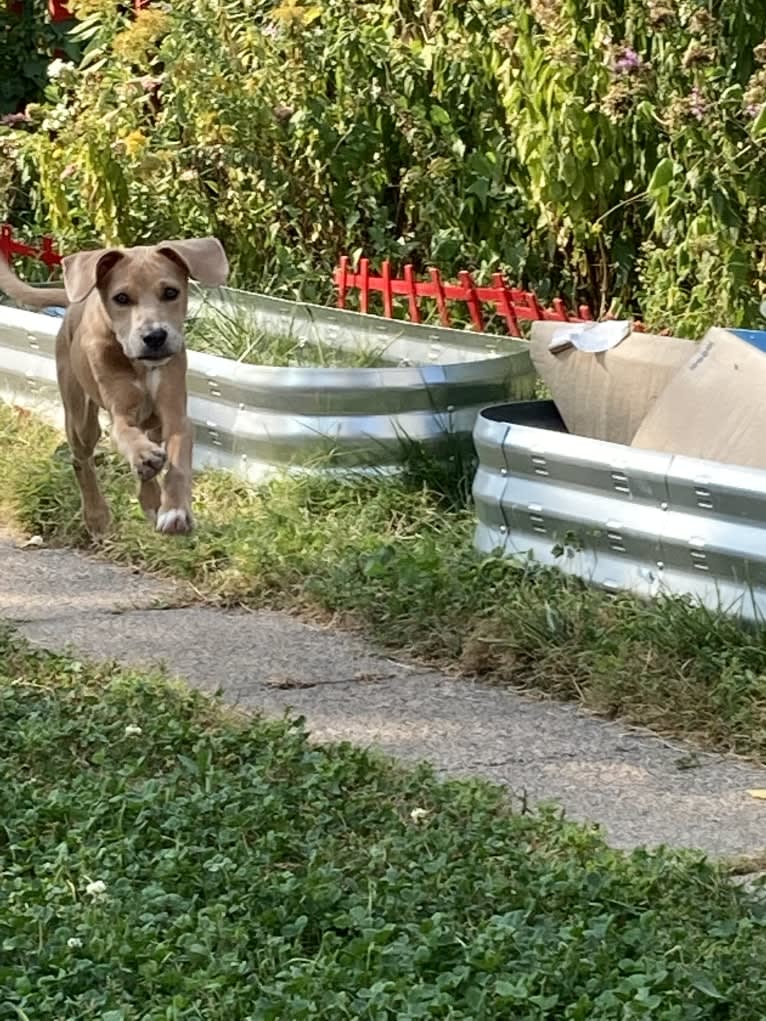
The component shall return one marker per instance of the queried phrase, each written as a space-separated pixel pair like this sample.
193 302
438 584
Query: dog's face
144 290
145 297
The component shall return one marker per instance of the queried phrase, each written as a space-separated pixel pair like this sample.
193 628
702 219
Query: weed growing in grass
232 334
394 559
162 859
445 472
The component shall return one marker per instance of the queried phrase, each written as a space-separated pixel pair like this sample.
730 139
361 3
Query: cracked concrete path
636 786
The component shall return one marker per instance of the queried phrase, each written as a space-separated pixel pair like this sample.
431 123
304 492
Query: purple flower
753 109
148 83
10 120
698 105
627 62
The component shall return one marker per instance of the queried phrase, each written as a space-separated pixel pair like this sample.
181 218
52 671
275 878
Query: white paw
175 521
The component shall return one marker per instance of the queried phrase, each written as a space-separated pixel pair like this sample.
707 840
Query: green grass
234 336
396 560
165 860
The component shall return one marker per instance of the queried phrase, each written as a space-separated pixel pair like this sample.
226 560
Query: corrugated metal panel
617 517
252 419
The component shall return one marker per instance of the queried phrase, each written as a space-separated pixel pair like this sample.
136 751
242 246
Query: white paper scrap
591 337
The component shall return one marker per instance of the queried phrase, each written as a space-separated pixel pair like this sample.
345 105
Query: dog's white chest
153 380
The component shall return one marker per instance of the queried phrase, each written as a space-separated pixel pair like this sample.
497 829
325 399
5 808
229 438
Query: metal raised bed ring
619 517
254 418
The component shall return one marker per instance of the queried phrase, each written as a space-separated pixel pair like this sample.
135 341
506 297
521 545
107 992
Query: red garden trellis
510 303
44 252
59 10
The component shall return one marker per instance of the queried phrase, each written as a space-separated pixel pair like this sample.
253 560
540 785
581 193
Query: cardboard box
714 407
607 396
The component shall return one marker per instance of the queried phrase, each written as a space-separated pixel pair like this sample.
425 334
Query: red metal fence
510 303
58 9
44 252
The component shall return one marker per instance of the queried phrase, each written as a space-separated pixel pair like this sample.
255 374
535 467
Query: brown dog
121 347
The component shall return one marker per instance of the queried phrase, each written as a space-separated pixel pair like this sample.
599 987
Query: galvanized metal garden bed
252 419
619 517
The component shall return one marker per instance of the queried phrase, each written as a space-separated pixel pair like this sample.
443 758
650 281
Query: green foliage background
28 40
608 150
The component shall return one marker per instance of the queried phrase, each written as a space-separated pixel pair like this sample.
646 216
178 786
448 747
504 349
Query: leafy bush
28 39
608 149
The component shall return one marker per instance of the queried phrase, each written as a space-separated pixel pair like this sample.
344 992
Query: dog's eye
170 294
121 299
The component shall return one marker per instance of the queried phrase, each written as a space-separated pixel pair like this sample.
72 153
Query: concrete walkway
638 787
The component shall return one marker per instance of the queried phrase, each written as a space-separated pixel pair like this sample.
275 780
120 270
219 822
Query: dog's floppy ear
203 259
85 270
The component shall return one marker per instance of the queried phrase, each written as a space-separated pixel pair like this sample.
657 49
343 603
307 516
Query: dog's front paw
175 521
148 460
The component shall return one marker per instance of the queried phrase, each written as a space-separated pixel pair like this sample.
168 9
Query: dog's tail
25 294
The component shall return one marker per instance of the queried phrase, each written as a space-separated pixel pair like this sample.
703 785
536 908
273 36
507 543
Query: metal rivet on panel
704 498
615 539
620 482
213 434
699 560
538 523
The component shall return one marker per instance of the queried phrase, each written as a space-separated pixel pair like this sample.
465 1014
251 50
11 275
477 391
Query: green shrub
610 150
28 40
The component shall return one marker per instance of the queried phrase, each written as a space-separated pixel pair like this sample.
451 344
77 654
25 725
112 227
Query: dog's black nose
155 339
